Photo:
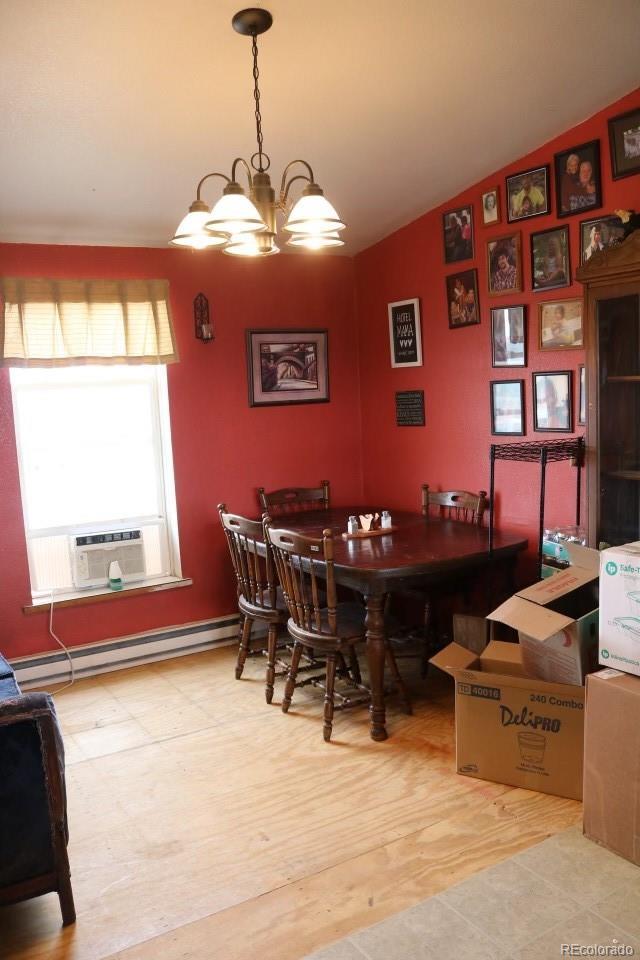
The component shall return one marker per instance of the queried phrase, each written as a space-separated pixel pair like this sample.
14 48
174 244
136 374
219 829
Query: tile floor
566 890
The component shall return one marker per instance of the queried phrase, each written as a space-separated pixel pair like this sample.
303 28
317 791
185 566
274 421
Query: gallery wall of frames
499 316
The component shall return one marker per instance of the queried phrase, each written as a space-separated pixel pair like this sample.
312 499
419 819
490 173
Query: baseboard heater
94 658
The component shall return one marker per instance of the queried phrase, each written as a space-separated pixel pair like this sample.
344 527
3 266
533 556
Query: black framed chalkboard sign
405 339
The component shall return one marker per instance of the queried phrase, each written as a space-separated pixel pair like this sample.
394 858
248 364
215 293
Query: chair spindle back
255 575
279 503
460 505
301 562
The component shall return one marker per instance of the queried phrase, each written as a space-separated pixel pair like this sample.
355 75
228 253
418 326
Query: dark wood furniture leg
243 648
376 653
271 661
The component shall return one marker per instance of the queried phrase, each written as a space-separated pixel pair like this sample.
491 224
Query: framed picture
507 408
457 227
577 173
508 337
552 408
582 396
405 340
491 206
550 262
624 142
560 324
287 366
596 235
528 194
504 265
462 298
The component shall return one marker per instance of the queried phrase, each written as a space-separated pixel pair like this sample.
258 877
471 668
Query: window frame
163 457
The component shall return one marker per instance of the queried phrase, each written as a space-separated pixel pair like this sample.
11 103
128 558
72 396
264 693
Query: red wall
223 449
452 450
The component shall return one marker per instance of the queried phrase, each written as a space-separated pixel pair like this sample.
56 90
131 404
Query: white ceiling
112 111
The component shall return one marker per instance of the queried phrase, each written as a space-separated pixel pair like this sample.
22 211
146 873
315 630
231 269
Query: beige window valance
62 322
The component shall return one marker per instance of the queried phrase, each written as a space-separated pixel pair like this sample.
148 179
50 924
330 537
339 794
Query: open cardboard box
557 620
512 728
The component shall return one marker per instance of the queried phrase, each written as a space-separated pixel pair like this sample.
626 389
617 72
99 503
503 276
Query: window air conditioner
91 555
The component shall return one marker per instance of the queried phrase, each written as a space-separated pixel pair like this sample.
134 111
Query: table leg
376 657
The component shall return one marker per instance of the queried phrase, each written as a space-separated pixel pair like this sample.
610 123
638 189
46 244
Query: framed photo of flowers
550 261
504 265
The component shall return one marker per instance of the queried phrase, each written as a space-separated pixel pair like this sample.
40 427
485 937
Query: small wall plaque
410 408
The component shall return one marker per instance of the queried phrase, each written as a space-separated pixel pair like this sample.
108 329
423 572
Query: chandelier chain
256 97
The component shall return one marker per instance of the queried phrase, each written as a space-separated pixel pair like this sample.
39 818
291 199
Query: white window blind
63 322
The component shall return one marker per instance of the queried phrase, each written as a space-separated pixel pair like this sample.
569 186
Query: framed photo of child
528 194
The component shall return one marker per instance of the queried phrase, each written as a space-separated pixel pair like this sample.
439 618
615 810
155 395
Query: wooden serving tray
363 534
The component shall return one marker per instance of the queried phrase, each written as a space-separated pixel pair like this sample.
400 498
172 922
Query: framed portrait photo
528 194
560 324
597 235
577 173
507 408
287 366
582 395
457 229
462 298
550 261
405 341
491 206
508 337
552 407
504 265
624 142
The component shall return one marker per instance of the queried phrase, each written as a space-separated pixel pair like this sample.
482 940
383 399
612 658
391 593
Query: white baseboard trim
122 652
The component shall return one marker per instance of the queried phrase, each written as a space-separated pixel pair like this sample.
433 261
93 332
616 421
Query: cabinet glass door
618 330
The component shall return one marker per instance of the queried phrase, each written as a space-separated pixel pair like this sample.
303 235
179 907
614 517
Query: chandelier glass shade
243 223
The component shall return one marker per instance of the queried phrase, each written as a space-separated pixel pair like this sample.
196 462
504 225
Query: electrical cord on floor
66 650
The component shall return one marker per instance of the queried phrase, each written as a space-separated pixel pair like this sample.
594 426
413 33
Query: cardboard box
511 728
557 620
612 762
620 608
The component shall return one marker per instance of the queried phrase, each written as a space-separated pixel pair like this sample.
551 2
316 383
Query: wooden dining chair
460 505
279 503
258 594
317 621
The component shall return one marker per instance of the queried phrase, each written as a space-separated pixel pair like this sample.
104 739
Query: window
94 451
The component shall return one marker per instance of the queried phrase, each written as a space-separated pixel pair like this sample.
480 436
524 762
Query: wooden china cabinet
611 281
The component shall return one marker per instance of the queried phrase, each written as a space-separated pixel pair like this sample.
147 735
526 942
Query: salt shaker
385 520
352 524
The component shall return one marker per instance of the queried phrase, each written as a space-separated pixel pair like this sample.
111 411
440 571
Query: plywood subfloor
205 824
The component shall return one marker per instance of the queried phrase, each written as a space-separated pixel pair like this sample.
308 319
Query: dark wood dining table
418 550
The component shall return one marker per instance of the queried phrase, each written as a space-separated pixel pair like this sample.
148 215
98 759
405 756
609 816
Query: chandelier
245 226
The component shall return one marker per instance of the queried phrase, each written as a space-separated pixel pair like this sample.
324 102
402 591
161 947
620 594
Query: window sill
100 594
